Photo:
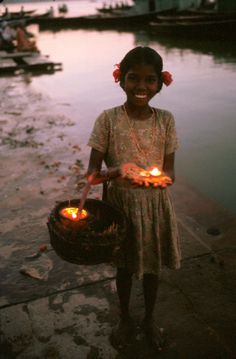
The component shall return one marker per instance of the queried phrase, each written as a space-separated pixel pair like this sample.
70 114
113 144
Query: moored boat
196 26
101 21
195 15
10 14
115 8
24 18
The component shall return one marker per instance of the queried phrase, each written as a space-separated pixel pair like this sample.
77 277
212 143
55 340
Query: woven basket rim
77 245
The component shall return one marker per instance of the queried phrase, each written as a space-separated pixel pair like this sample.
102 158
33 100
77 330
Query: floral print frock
152 239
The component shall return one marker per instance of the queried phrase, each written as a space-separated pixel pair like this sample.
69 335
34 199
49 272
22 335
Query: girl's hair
142 55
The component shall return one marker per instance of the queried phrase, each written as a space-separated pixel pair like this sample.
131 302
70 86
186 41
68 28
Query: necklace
135 138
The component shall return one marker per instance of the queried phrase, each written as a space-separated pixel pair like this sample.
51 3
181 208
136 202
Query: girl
131 139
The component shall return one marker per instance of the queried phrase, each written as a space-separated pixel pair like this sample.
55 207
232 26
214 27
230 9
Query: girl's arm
169 166
94 167
95 161
94 173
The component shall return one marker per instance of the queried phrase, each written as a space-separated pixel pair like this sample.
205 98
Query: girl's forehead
142 68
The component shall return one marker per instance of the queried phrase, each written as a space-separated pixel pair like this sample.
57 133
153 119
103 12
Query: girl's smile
140 96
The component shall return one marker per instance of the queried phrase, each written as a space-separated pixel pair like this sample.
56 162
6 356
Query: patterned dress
152 240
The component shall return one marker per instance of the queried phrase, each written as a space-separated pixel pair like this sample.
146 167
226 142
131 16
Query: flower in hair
166 77
116 73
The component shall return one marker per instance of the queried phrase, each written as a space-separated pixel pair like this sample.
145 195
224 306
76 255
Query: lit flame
73 213
143 173
155 172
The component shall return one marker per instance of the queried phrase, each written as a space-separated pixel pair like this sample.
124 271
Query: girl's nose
141 84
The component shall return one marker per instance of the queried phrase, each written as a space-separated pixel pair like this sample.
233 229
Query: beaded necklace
135 138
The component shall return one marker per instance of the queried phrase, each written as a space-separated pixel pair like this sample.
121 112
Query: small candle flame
143 173
73 213
155 172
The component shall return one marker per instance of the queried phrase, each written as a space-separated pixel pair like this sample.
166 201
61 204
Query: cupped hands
140 177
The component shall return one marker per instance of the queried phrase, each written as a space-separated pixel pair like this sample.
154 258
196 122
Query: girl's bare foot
153 333
122 334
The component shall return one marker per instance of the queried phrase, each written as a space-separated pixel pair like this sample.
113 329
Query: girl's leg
153 332
150 287
123 285
123 331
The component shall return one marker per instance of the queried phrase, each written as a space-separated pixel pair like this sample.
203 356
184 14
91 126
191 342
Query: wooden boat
94 21
105 10
114 9
43 15
26 18
218 25
12 14
195 16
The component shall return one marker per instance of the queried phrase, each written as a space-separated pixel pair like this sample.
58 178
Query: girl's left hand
161 181
140 177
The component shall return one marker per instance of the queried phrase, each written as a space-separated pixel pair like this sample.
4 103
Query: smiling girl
132 138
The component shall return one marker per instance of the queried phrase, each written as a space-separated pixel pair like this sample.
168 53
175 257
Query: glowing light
155 172
143 173
73 213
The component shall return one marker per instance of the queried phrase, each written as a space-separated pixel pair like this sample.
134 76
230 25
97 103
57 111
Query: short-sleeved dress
152 239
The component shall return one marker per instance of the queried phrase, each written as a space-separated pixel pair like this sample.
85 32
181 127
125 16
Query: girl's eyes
151 79
135 78
132 77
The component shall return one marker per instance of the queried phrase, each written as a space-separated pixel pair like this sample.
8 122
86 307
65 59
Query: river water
202 96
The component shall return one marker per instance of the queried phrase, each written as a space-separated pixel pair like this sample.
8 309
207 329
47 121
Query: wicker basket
90 241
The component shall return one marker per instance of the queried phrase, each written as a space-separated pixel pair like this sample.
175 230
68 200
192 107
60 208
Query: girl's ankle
147 320
125 318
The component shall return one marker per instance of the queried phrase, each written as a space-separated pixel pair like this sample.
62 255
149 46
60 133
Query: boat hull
196 27
96 21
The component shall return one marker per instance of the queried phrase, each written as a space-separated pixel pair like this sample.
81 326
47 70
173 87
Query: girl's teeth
140 96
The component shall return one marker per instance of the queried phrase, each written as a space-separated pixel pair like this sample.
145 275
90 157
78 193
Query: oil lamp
155 176
155 172
73 213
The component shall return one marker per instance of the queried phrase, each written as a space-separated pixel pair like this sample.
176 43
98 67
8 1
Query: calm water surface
202 97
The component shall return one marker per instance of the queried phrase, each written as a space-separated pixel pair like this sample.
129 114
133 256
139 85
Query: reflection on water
202 97
221 51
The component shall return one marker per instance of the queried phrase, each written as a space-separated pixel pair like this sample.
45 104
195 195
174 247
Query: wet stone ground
40 165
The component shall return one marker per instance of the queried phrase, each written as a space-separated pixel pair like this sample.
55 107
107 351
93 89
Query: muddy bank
40 164
39 157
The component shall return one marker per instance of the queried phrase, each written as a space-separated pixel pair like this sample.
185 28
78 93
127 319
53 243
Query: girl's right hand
130 170
97 177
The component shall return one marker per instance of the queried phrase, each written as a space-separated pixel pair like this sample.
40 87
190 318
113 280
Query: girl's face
140 85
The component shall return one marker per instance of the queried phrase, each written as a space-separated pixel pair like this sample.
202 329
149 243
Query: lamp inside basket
91 240
73 213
